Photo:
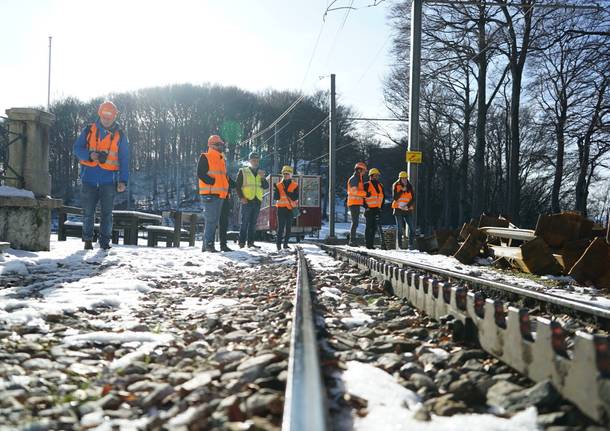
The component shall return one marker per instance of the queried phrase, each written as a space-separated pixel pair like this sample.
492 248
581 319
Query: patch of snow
392 406
358 318
14 267
12 192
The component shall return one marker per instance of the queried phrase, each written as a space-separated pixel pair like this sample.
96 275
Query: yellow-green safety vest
252 186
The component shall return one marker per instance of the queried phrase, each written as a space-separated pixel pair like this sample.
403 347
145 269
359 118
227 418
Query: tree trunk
514 187
560 133
479 153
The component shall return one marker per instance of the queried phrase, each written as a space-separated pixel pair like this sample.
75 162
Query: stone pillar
25 218
30 159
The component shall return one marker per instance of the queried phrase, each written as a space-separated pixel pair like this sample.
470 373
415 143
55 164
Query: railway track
533 343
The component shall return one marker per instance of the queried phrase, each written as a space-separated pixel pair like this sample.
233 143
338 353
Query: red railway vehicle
310 204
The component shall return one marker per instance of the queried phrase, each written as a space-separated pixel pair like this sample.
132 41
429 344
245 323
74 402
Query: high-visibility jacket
109 144
374 198
217 169
284 201
355 194
252 186
405 195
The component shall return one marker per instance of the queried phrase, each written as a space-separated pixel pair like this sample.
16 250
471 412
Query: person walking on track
373 203
355 198
102 150
213 188
286 193
403 203
250 185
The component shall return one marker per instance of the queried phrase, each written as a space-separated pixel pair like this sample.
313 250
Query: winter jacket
97 175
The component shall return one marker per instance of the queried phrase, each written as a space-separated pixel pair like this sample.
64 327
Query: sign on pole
414 156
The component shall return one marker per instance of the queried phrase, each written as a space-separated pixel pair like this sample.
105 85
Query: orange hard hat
108 110
360 165
215 139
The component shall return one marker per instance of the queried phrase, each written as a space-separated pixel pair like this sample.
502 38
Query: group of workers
370 195
215 186
102 149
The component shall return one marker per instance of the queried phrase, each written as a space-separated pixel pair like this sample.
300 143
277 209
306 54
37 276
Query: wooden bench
4 245
73 228
173 235
163 233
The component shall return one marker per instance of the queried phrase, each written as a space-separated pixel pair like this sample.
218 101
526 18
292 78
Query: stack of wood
565 243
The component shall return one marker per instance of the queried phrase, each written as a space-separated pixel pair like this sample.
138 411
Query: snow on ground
392 407
6 191
68 278
341 230
583 294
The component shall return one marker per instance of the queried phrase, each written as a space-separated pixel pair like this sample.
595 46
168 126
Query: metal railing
304 406
8 138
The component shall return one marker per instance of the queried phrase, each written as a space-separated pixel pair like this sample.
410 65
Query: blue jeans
403 218
90 196
212 205
249 214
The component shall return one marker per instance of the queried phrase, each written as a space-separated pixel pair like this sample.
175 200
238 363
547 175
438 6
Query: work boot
252 245
242 245
106 247
88 245
210 247
224 247
286 246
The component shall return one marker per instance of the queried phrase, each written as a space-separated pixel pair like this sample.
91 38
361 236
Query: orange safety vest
374 198
405 196
355 195
110 145
284 201
217 169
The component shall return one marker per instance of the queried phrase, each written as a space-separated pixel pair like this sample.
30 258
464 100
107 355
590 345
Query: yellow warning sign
413 156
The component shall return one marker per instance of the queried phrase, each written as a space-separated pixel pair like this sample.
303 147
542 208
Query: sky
115 46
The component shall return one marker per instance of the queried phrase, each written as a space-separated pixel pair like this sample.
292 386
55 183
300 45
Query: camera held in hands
102 156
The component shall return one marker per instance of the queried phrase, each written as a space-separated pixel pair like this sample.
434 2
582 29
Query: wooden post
193 230
177 227
61 229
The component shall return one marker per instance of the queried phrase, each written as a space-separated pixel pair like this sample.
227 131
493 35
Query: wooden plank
449 247
492 221
557 229
534 257
571 252
593 268
509 233
467 229
538 258
470 248
427 244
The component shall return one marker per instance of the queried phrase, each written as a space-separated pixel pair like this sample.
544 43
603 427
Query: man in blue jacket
102 150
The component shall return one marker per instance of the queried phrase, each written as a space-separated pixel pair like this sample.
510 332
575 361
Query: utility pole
416 18
332 158
276 156
49 81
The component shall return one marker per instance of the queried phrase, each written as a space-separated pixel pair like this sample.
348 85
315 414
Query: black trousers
223 223
372 216
284 225
354 211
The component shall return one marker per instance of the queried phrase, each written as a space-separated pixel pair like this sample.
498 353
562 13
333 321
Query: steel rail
551 298
304 405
